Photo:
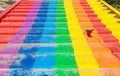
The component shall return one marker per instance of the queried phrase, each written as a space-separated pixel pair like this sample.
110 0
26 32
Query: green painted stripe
65 63
62 31
63 39
61 25
64 48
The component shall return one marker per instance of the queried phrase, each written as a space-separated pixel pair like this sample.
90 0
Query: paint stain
89 32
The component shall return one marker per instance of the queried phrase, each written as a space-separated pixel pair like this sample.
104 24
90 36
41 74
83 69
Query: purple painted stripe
17 39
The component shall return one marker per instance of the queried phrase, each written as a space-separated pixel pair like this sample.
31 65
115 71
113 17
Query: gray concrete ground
3 6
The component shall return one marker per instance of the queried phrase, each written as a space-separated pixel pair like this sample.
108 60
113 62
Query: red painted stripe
101 52
113 44
10 24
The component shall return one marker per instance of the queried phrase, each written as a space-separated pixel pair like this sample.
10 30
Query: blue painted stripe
46 58
50 25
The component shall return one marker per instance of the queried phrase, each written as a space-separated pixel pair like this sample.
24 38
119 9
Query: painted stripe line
22 58
104 52
65 60
87 64
46 61
6 51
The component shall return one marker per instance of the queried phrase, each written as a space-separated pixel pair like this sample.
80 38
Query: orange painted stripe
108 63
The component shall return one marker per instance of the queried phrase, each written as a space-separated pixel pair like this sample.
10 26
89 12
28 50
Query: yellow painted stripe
107 19
86 62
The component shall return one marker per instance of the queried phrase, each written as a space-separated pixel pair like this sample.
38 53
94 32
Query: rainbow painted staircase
49 38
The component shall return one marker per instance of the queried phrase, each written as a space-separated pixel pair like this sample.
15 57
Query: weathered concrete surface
3 6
